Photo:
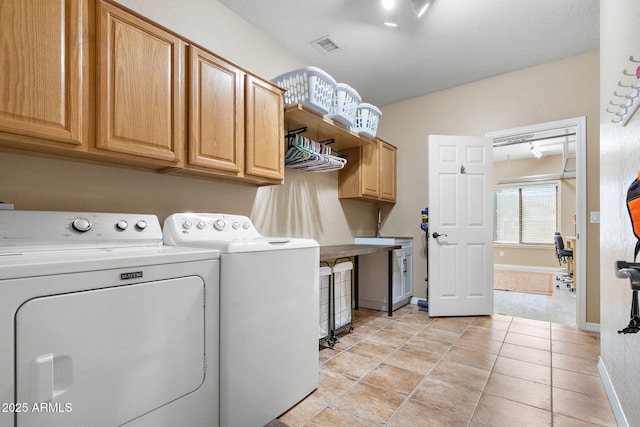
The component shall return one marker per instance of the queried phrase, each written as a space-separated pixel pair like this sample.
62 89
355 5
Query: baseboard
382 306
527 268
592 327
621 419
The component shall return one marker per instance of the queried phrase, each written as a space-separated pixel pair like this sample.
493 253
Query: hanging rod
522 139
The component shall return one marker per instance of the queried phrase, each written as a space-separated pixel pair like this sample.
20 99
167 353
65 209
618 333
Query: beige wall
620 162
540 256
558 90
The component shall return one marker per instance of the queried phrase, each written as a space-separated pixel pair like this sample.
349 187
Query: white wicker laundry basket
308 86
367 118
345 103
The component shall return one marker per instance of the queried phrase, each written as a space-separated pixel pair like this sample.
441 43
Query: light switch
595 217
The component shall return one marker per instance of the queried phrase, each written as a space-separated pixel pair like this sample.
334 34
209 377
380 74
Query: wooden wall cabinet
140 108
264 130
90 79
216 114
388 171
370 173
45 75
236 123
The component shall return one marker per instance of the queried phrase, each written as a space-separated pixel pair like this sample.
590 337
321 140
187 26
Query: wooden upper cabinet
264 146
370 170
89 79
216 114
388 171
44 71
370 173
140 108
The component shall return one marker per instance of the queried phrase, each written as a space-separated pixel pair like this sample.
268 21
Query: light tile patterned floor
413 370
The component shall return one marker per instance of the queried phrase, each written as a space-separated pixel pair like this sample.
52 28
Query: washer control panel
184 227
46 229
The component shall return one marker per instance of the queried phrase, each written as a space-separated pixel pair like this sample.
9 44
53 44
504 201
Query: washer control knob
186 225
141 225
235 225
246 225
122 225
81 224
219 224
201 225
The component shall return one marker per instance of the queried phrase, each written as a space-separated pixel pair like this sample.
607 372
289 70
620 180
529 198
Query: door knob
436 235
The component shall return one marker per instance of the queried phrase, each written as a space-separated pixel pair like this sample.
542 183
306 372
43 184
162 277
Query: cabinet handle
404 263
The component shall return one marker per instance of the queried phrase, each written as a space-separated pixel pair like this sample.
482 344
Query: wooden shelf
320 128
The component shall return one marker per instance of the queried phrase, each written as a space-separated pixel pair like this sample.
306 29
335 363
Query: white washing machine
102 325
269 304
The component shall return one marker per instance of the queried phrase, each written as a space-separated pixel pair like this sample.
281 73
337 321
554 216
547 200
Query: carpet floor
523 281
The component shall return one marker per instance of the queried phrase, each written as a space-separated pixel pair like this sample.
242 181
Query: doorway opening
532 156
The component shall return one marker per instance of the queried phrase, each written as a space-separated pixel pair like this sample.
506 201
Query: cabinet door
264 147
44 65
408 275
216 113
370 170
398 277
140 87
387 172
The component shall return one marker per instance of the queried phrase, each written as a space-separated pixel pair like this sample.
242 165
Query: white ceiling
455 42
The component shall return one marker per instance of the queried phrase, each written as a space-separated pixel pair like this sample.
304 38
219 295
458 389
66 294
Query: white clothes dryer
269 311
102 325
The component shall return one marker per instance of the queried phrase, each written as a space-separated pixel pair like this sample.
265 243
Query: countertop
345 251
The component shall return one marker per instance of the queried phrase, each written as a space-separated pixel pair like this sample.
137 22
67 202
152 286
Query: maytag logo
132 275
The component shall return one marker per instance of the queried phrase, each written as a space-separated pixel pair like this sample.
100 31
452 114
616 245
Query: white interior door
461 214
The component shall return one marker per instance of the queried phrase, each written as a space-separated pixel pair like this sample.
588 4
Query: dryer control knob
81 224
201 225
122 225
186 225
141 225
219 224
246 225
235 225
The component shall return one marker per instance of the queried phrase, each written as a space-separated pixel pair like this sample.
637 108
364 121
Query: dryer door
104 357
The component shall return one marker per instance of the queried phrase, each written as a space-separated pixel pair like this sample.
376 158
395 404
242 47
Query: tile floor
558 308
413 370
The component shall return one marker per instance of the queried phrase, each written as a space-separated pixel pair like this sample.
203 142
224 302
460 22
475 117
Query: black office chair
564 255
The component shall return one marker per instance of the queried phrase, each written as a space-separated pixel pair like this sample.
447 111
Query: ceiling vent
326 45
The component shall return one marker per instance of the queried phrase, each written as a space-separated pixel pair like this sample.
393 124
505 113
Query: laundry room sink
383 241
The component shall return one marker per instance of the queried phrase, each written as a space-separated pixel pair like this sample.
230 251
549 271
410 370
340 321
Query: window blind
527 214
507 214
538 216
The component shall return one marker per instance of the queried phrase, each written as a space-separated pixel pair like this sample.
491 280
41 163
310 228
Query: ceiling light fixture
420 6
388 4
535 152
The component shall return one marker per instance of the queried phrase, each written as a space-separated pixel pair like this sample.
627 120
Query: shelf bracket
296 131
